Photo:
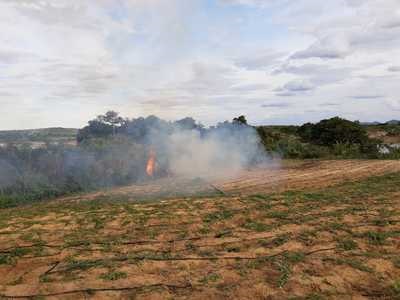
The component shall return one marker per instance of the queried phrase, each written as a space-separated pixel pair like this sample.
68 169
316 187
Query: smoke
218 154
109 156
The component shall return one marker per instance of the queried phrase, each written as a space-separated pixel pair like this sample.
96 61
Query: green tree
240 120
113 119
334 131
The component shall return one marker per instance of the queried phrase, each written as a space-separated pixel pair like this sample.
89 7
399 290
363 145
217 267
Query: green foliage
210 278
376 238
240 120
395 287
112 276
218 216
347 245
256 226
333 131
332 138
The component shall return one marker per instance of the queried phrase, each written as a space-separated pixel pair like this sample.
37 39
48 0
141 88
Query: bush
333 131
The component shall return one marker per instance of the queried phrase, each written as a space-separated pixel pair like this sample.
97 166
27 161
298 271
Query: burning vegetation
151 163
114 151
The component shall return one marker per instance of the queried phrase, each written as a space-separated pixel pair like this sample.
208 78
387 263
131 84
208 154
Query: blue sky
276 61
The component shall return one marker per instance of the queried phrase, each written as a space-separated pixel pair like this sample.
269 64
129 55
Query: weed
260 197
347 244
112 276
223 233
295 257
285 270
278 214
5 259
395 289
376 238
354 263
45 278
256 226
218 216
276 242
213 277
235 249
307 236
334 226
10 257
82 265
396 262
258 263
205 230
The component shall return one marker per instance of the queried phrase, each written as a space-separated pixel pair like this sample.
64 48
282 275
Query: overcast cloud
276 61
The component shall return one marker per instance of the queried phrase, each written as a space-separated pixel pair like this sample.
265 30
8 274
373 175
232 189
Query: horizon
207 126
277 62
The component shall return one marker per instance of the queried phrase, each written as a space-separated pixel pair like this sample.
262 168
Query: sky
63 62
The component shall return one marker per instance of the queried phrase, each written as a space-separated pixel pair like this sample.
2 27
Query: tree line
113 150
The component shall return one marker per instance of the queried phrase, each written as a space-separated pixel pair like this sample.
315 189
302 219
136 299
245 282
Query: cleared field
298 174
315 230
277 177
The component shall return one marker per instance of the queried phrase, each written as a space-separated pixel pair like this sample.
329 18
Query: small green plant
347 244
213 277
218 216
278 214
354 263
113 276
285 270
256 226
295 257
396 262
5 259
45 278
376 238
395 289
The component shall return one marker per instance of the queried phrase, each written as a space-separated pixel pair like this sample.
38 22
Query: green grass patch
256 226
210 278
347 244
218 216
113 276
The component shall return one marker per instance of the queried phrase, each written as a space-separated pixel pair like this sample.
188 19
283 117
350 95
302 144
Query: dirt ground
307 230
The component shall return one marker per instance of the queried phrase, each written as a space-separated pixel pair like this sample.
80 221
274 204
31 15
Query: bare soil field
305 230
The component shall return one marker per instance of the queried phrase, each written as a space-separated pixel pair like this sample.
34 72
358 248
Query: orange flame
151 163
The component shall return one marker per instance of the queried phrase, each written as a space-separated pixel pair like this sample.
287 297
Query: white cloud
64 61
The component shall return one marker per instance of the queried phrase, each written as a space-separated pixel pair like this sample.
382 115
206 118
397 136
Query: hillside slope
325 241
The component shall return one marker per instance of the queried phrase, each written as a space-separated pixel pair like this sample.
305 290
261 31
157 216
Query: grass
256 226
218 216
354 263
113 276
210 278
395 288
376 238
12 256
285 270
347 244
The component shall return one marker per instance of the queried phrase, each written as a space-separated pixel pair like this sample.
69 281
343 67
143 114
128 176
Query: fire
151 163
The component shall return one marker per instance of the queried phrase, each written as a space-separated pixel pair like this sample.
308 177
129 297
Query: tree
241 120
111 118
334 131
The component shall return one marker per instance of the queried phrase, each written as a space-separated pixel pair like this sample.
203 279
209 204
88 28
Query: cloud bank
64 62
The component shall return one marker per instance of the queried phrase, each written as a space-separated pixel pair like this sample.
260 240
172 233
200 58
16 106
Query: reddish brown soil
341 242
300 174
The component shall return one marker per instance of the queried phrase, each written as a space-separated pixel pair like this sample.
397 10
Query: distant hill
55 134
393 122
370 123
